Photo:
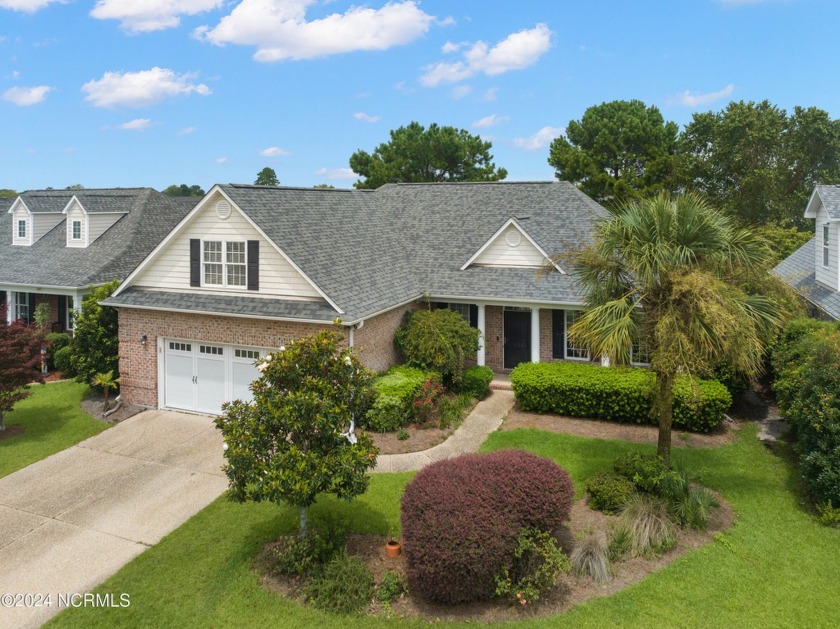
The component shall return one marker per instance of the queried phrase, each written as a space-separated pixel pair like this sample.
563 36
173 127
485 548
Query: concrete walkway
485 418
70 521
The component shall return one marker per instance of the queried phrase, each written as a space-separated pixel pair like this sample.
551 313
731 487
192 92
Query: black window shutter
62 310
473 316
195 262
31 299
253 265
558 324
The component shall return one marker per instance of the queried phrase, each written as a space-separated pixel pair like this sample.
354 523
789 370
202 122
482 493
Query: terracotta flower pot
393 548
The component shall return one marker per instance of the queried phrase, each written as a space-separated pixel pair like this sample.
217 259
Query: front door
517 337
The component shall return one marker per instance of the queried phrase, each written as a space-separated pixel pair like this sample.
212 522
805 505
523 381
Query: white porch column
10 305
480 358
535 335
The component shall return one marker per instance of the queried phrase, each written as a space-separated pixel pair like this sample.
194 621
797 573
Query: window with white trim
461 309
825 244
640 353
71 313
76 230
224 263
21 228
573 352
21 310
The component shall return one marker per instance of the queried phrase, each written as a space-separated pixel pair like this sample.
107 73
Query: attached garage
200 376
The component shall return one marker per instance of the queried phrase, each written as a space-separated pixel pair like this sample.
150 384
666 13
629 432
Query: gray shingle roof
49 262
830 197
93 200
232 305
798 271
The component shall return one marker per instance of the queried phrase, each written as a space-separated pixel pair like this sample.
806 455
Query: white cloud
336 173
490 94
447 21
515 52
540 139
274 151
449 47
360 115
187 130
140 89
460 91
222 160
280 31
142 16
696 99
490 121
138 124
25 96
27 6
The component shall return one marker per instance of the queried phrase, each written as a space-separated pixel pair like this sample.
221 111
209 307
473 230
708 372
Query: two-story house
56 244
813 269
251 267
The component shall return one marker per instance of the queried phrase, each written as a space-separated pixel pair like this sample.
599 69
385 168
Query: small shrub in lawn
56 341
537 563
690 504
698 508
300 555
396 390
650 529
609 492
590 557
645 471
616 394
344 585
62 360
451 409
477 381
461 519
402 435
619 542
391 587
828 515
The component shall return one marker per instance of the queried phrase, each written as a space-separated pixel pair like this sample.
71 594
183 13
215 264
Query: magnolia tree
296 440
20 355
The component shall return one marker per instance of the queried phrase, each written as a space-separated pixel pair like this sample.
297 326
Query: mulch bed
11 431
94 406
420 436
570 590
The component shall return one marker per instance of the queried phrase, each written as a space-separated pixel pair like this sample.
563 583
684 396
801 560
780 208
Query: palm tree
662 270
105 381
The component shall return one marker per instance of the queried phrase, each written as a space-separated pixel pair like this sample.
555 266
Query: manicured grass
775 568
54 420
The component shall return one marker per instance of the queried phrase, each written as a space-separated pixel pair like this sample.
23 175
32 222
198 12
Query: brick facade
494 337
139 362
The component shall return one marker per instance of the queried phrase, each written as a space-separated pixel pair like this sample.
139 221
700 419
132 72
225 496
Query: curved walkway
486 417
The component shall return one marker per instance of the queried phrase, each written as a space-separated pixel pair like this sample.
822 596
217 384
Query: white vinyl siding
171 269
99 223
43 222
511 249
20 214
826 275
76 213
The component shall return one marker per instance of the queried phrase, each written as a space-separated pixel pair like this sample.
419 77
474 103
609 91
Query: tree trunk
2 421
303 521
665 410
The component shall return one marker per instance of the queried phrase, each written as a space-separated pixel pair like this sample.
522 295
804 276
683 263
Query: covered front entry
517 335
200 376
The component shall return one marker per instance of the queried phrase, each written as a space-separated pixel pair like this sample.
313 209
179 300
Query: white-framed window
573 352
21 306
640 353
76 230
71 313
826 232
461 309
21 228
224 263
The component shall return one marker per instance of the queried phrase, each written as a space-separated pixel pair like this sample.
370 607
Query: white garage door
200 376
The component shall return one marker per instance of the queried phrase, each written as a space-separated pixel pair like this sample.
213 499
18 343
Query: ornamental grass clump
590 557
462 517
650 530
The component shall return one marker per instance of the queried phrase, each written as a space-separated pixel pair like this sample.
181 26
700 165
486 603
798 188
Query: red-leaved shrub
461 518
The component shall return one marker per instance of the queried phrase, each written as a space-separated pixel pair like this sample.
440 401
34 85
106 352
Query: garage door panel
243 375
179 381
210 381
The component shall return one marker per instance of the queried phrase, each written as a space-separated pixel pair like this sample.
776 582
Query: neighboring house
56 244
813 269
253 267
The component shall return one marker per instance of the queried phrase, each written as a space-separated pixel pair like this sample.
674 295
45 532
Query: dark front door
517 337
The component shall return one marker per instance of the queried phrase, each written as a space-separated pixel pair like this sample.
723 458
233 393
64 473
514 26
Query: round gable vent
513 238
222 209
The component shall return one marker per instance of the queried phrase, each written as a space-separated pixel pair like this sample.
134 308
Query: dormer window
76 230
825 244
21 228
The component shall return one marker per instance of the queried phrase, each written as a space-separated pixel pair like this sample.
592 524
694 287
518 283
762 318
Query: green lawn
54 420
775 568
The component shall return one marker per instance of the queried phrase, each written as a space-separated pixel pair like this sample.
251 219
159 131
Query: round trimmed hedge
461 519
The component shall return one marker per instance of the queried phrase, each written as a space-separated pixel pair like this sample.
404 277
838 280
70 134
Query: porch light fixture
143 340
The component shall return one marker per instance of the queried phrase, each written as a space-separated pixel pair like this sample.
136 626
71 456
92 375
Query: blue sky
155 92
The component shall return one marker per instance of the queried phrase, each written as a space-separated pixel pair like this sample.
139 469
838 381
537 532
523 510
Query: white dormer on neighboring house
824 207
85 227
28 226
510 247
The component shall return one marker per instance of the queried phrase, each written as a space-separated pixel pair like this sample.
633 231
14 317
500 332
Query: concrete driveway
72 520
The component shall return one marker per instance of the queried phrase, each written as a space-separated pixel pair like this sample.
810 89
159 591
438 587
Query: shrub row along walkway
486 417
